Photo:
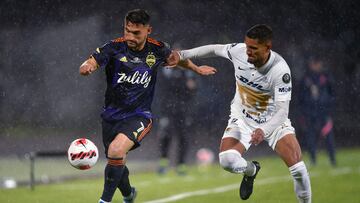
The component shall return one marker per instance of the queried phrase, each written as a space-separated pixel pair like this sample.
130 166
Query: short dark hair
261 32
137 16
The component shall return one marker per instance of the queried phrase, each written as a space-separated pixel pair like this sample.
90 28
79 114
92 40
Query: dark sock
113 174
124 185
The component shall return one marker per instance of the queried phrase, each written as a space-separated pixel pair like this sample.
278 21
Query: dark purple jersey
130 76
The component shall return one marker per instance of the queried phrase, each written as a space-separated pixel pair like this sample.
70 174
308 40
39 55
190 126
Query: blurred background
45 103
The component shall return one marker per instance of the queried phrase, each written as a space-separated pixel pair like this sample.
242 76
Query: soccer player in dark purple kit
131 64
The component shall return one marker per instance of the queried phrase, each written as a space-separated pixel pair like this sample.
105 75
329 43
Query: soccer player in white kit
259 110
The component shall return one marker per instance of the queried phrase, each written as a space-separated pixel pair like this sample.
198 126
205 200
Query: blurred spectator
176 116
317 104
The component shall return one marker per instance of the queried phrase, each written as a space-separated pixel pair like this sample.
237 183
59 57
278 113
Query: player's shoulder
118 40
157 43
236 46
279 63
237 49
280 69
116 43
159 48
237 52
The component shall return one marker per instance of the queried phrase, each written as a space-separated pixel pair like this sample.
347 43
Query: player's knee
232 161
115 151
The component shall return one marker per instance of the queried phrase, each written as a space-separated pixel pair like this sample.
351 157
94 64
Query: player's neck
139 48
260 64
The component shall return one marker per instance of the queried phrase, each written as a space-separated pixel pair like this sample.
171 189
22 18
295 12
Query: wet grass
212 184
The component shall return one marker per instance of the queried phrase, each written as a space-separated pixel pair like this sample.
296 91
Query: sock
124 184
113 173
232 161
250 169
302 185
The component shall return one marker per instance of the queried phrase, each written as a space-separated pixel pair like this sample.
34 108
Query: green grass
273 185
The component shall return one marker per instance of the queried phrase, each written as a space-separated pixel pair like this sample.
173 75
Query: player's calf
302 185
131 197
113 174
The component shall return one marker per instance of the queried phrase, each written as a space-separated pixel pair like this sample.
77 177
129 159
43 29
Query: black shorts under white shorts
135 128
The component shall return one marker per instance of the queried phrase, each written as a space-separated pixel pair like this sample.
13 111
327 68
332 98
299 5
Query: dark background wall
45 103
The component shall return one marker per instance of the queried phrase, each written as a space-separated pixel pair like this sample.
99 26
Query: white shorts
240 130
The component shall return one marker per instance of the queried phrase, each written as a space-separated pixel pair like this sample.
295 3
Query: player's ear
149 29
269 45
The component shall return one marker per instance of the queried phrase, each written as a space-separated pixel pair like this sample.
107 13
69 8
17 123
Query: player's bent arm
204 51
89 66
201 70
278 118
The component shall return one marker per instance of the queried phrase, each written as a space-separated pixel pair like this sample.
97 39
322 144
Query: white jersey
257 89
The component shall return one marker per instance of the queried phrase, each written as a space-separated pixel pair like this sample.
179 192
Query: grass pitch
212 184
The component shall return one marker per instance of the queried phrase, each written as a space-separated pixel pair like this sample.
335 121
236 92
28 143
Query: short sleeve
102 54
283 85
166 50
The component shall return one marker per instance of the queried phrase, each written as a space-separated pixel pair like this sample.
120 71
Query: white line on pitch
218 189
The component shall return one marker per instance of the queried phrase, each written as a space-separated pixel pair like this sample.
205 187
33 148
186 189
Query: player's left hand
173 59
257 136
206 70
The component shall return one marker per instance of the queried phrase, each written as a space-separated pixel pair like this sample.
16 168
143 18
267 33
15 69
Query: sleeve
166 50
102 54
279 117
222 50
282 84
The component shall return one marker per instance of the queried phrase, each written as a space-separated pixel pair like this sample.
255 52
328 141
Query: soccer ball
83 154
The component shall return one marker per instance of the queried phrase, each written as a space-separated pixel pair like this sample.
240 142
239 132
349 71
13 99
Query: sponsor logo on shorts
259 121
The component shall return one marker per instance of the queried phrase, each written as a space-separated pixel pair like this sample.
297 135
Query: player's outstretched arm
88 66
206 51
174 60
201 70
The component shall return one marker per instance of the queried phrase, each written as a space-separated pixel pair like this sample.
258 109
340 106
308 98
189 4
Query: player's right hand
88 67
257 136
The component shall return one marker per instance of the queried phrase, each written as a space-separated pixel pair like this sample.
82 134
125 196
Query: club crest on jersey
150 59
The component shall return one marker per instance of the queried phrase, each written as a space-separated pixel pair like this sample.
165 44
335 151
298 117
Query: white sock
232 161
102 201
302 185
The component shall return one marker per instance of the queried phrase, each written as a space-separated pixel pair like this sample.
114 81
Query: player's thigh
289 150
236 136
125 135
120 146
231 143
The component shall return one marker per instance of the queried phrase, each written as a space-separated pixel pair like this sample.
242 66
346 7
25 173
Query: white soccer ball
83 154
